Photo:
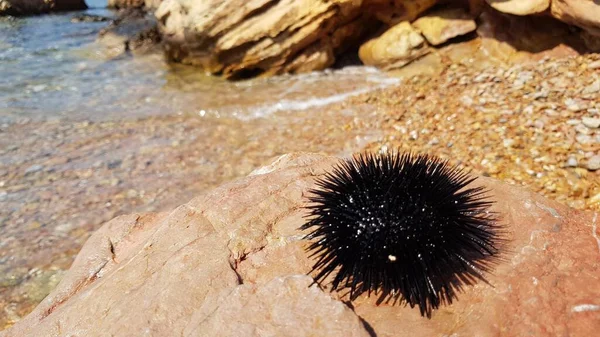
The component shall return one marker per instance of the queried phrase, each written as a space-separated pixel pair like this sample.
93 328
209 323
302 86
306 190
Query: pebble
571 162
592 88
33 169
583 139
580 128
591 122
593 163
594 65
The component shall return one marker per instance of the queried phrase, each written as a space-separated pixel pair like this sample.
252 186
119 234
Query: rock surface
265 37
582 13
397 47
396 11
232 263
259 36
443 25
31 7
134 31
519 7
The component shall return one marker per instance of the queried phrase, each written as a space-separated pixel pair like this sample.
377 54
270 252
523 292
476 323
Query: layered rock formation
29 7
233 263
246 38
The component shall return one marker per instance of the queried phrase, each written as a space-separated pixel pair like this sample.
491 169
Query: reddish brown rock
232 263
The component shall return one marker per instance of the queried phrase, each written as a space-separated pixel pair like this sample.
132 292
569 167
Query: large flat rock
232 263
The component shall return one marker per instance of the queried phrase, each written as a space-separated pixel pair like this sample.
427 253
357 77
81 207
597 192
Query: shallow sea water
50 68
64 169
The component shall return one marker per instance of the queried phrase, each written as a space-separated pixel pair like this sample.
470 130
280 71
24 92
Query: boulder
241 39
440 26
582 13
233 263
520 7
32 7
395 48
237 38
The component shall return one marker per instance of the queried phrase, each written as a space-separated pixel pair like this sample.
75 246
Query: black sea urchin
403 224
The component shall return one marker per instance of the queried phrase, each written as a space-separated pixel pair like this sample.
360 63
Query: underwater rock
134 30
232 262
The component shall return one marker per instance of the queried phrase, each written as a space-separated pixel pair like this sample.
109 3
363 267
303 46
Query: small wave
313 102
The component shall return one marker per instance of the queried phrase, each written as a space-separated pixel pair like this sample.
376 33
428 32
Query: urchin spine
401 224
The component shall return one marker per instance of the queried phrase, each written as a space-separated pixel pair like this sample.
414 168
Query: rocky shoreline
232 262
507 90
265 38
73 177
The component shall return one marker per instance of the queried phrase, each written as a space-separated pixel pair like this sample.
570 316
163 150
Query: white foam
304 104
585 307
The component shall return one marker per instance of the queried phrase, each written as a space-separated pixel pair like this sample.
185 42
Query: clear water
53 74
51 68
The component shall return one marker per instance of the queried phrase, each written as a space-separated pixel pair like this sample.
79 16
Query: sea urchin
401 224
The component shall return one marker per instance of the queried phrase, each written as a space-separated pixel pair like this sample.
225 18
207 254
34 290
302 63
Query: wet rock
89 18
443 25
519 7
232 262
395 48
33 169
582 13
133 31
32 7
